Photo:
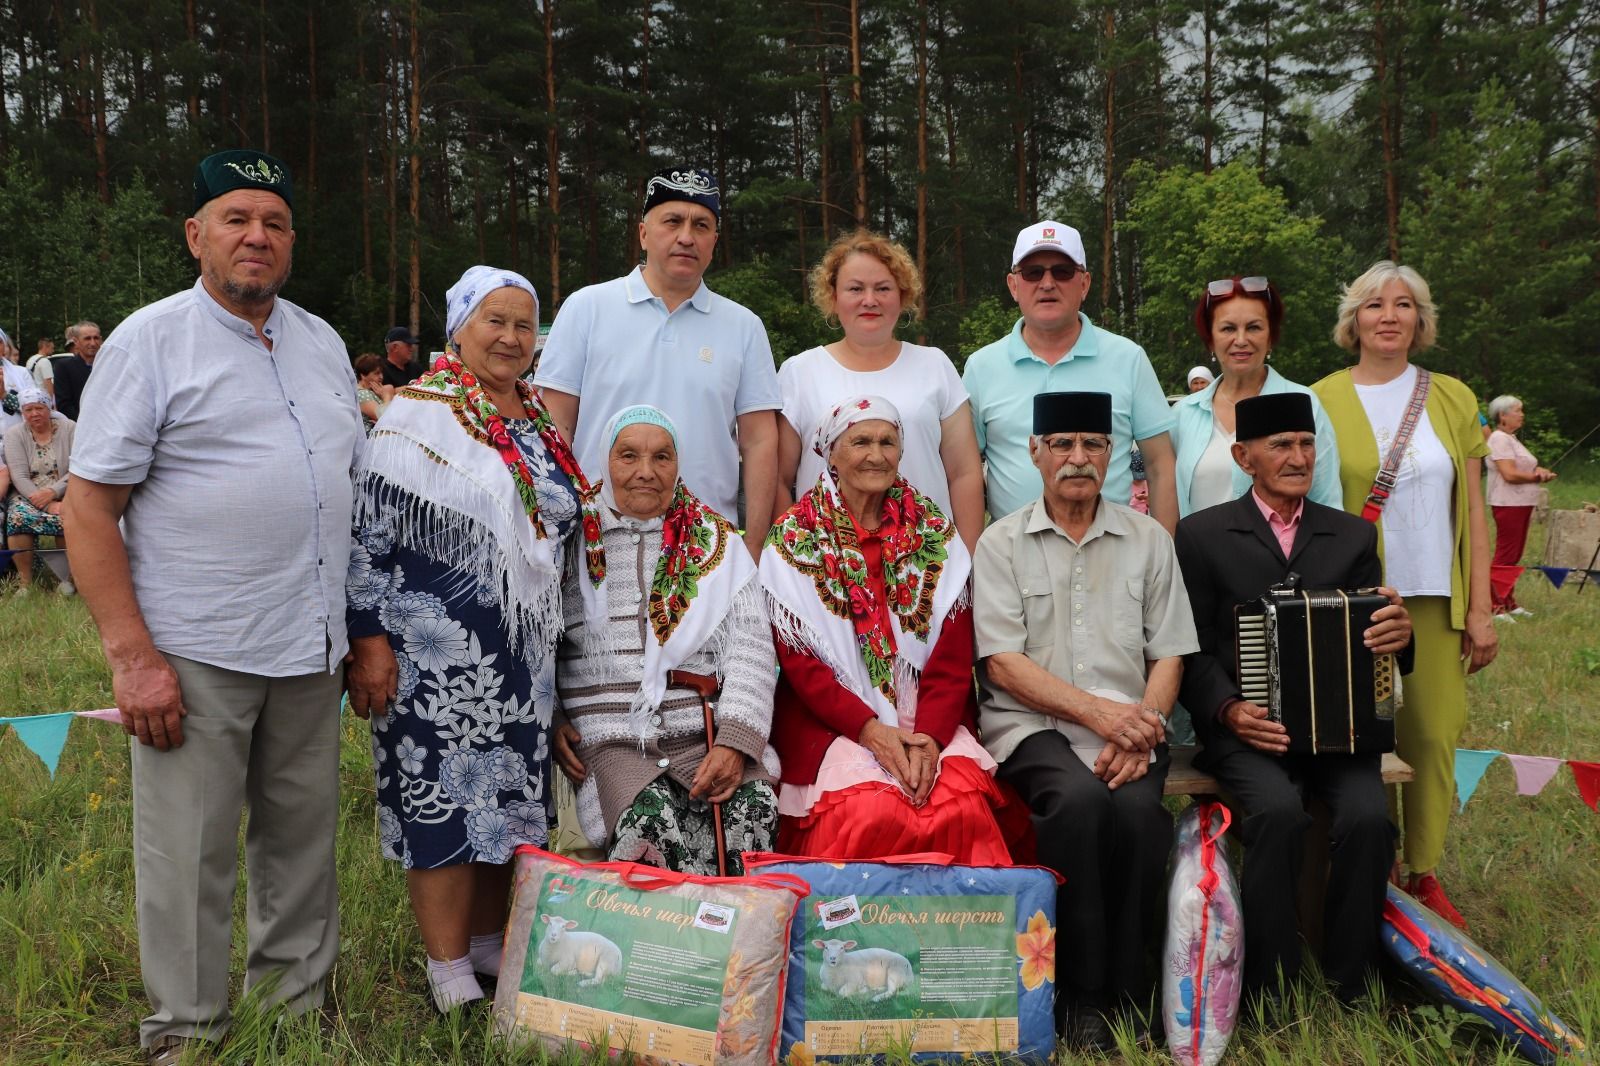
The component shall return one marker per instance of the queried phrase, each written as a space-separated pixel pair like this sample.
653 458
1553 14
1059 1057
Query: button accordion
1301 656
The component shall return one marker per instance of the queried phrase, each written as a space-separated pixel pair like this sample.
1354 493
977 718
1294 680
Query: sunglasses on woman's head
1223 288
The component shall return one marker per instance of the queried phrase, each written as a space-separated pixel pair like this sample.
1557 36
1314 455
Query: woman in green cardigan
1433 534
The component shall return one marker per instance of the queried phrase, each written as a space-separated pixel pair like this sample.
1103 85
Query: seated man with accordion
1293 692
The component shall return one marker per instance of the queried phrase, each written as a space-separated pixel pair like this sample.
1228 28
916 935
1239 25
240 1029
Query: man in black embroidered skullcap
659 336
1082 623
214 416
1232 554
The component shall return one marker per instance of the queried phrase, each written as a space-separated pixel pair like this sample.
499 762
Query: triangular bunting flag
1470 765
1588 778
44 734
1556 574
105 714
1533 772
56 560
1502 579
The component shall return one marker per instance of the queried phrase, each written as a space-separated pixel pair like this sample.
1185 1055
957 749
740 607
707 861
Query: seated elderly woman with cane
666 668
866 583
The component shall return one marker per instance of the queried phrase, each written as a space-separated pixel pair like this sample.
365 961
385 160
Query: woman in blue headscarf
465 501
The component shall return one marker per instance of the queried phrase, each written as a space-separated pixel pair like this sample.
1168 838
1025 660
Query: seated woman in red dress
866 582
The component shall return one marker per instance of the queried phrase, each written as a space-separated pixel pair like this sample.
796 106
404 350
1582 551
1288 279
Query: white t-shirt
921 382
13 378
1418 541
42 369
1212 480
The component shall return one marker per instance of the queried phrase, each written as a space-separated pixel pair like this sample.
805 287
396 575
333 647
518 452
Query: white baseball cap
1049 236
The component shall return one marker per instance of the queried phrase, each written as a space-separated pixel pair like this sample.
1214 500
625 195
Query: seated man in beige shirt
1082 622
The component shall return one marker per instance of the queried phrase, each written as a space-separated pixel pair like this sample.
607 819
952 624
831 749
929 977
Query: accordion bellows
1301 656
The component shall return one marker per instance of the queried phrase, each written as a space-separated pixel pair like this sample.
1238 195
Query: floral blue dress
463 759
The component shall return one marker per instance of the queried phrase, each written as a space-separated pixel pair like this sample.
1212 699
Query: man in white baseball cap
1055 348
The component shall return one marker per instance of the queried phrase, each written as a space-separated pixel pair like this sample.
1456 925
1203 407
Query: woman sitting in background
676 618
1514 480
38 451
866 583
371 393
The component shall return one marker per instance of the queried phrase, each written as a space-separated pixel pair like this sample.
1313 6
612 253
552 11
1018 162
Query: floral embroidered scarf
821 599
703 565
442 469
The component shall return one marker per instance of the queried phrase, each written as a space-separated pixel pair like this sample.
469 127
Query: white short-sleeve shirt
706 363
922 383
240 458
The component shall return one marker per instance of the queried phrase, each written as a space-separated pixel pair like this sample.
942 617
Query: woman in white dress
862 285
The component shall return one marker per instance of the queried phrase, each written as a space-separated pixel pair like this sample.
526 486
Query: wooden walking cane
706 687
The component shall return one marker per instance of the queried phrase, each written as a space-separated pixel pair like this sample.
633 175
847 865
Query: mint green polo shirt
1003 378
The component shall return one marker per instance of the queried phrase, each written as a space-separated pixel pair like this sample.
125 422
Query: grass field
1525 872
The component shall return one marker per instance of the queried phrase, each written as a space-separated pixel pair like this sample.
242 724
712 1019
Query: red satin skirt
969 815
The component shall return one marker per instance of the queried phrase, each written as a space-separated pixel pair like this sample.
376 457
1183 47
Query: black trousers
1270 794
1111 847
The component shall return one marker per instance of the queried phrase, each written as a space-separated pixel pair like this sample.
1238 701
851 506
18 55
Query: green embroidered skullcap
240 168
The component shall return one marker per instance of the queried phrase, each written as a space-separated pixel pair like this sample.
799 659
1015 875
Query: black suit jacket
1229 555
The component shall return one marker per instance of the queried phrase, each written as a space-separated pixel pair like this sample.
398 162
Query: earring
831 321
1269 355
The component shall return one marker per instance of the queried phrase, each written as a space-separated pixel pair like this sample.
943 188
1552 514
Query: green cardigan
1453 413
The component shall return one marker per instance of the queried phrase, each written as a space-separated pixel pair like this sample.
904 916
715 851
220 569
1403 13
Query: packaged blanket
1204 957
918 954
1457 972
665 966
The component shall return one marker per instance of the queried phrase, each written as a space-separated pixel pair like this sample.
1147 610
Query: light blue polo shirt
1003 378
614 345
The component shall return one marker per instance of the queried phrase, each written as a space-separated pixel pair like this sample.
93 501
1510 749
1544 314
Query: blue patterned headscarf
639 414
478 282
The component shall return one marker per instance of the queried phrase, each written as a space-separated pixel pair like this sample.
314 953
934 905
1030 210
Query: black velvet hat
1281 412
240 169
683 183
1072 412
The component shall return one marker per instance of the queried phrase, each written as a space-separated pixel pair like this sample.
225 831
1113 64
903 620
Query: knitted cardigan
597 678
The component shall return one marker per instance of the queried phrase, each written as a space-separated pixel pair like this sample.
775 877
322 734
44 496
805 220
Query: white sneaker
1522 612
68 589
1503 617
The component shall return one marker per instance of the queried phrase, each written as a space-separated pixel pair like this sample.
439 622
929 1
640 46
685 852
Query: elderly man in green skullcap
220 428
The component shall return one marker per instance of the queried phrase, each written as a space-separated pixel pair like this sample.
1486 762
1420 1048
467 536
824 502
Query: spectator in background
14 381
43 371
13 354
1200 378
400 366
1052 348
1514 480
372 392
73 374
37 452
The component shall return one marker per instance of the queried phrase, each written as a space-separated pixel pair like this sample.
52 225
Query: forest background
1186 139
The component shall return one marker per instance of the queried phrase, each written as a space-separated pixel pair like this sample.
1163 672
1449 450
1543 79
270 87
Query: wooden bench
1184 780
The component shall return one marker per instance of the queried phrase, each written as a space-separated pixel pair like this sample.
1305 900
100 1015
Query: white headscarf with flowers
701 570
821 600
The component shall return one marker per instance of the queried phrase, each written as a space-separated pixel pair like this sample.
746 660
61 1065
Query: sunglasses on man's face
1034 273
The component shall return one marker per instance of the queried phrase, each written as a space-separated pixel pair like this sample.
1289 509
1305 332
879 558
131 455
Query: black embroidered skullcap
1072 412
683 183
1282 412
240 168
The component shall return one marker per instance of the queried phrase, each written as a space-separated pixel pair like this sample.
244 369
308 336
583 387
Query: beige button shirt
1093 613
